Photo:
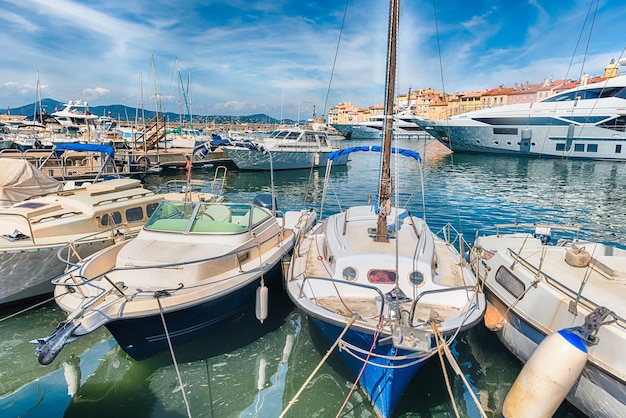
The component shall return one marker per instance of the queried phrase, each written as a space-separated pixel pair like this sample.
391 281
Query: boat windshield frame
206 217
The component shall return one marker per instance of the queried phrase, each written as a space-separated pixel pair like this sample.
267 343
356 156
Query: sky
290 58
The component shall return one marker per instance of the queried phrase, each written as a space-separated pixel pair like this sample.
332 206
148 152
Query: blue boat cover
375 148
61 148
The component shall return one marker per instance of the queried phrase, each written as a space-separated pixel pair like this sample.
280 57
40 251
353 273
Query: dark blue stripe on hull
144 337
383 385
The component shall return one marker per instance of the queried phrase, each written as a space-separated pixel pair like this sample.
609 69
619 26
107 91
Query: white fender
262 294
547 376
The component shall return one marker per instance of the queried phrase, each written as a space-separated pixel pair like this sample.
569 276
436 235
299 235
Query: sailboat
378 283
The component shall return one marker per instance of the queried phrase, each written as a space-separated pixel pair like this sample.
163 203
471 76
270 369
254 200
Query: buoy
493 319
547 377
262 294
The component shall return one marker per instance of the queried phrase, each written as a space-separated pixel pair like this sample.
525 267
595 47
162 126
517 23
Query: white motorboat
587 122
544 281
77 120
379 284
291 148
81 221
192 267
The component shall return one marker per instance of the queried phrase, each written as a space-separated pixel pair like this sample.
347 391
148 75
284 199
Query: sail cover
20 180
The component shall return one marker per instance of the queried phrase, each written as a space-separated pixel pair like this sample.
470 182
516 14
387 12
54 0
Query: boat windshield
202 217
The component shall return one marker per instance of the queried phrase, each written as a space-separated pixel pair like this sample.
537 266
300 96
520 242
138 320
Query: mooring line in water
32 307
443 346
169 343
369 354
330 350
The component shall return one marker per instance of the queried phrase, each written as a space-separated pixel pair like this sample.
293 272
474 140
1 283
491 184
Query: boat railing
525 227
453 237
573 295
20 236
240 255
71 250
471 288
347 283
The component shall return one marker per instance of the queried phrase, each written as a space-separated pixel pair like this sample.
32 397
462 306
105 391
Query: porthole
349 274
416 278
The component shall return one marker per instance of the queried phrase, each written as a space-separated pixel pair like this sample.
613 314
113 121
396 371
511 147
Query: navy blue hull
385 380
145 337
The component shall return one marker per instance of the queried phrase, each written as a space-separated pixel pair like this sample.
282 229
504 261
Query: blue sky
242 57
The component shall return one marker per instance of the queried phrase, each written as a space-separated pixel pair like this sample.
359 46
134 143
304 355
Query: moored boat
290 149
585 122
192 267
379 284
536 290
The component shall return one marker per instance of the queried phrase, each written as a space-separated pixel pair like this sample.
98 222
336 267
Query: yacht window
579 147
381 276
511 283
150 208
293 135
592 147
111 218
560 147
505 131
618 149
134 214
617 124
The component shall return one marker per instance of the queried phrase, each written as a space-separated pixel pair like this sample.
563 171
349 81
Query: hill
126 113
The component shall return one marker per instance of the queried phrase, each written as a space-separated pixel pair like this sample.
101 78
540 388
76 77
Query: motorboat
586 122
79 221
382 288
284 149
405 127
194 266
76 118
547 288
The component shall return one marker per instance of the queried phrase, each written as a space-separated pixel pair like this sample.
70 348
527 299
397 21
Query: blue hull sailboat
378 283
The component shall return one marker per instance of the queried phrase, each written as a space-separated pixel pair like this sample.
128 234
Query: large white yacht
587 122
76 118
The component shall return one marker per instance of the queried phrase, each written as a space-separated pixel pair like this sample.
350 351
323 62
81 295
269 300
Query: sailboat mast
384 192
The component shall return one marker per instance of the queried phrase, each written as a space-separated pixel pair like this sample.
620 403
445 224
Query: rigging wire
343 21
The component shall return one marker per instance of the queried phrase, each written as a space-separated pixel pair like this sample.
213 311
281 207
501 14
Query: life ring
143 163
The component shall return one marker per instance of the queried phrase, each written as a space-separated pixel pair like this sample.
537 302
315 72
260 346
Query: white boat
77 120
542 280
587 122
82 220
192 267
291 148
379 284
405 127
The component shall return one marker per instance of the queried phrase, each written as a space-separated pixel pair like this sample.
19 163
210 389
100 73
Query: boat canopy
61 148
333 156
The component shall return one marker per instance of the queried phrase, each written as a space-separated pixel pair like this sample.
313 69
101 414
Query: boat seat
204 225
219 213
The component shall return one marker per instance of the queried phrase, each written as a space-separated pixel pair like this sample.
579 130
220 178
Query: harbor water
249 369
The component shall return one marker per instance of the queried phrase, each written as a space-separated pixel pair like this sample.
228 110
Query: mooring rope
32 307
356 381
169 343
330 350
441 343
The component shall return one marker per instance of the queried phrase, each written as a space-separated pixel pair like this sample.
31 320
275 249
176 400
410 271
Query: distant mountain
125 113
